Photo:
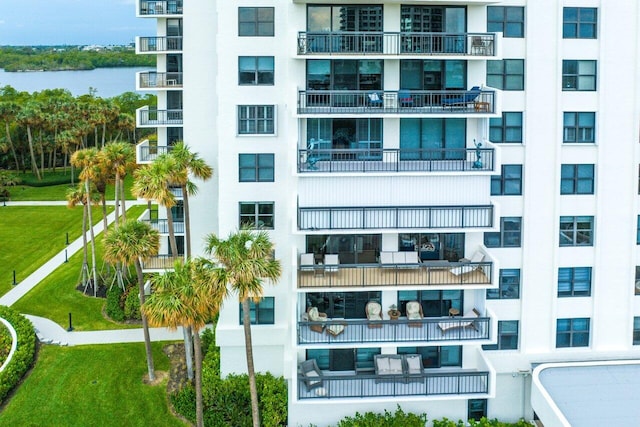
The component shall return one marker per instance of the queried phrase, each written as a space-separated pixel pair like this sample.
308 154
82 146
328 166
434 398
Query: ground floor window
476 409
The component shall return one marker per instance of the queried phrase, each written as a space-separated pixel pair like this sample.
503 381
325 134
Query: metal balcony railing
148 153
392 43
397 331
149 117
167 7
160 44
160 262
176 191
427 273
396 217
396 102
395 160
152 79
431 383
162 225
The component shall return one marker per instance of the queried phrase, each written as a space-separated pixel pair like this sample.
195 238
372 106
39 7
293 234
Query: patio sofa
397 367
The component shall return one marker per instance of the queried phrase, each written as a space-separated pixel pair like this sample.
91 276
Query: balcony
147 117
162 226
467 45
395 217
160 262
154 8
460 103
431 383
428 273
147 151
154 80
424 331
158 44
378 160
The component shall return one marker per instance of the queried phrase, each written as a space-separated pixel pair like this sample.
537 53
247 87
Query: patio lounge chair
374 314
414 312
307 262
467 321
375 100
461 101
471 265
311 374
313 315
388 365
413 367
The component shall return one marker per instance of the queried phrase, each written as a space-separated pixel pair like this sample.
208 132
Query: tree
7 179
74 197
31 117
151 182
132 241
188 163
189 297
119 158
245 261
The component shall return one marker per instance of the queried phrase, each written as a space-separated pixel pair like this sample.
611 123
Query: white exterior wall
211 94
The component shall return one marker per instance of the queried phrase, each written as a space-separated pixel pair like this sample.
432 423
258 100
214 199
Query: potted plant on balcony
393 312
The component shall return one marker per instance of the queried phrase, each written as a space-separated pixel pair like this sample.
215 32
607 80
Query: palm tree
246 261
185 297
118 157
151 182
31 116
132 241
74 197
188 163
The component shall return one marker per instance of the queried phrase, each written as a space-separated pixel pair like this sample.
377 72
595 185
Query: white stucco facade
408 178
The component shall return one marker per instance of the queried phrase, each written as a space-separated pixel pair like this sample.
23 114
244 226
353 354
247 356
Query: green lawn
97 385
30 235
58 192
55 297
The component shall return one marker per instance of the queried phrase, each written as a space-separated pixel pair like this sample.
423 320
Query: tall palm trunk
246 323
13 150
172 235
198 355
145 324
85 248
187 333
117 198
123 196
94 271
187 222
34 165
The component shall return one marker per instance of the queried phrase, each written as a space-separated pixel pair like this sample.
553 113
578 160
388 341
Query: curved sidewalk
50 332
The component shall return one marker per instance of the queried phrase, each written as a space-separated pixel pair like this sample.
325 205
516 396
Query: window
578 75
637 282
261 313
576 231
507 129
476 409
506 74
436 357
256 119
507 336
579 127
576 179
509 183
579 22
508 285
255 21
256 167
572 332
432 139
255 70
636 330
638 231
508 20
257 215
509 236
574 282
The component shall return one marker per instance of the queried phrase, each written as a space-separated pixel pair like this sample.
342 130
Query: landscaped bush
113 308
484 422
48 179
25 352
5 343
132 304
388 419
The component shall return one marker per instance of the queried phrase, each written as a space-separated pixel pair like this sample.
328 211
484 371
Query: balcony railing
390 43
395 160
148 152
176 191
160 44
160 262
428 273
396 102
167 7
337 385
397 331
151 79
149 117
396 217
162 225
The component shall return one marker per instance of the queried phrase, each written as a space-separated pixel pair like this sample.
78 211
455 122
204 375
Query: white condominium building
451 185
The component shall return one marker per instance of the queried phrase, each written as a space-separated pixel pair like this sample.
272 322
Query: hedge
25 353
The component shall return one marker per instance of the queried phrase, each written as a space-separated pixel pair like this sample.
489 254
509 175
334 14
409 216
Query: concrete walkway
50 332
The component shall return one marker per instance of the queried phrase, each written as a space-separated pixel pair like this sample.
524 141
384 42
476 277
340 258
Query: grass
98 385
57 192
30 235
59 287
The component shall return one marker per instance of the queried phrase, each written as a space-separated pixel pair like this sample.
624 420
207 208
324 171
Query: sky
71 22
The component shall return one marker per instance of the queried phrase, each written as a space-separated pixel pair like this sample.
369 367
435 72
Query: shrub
113 308
388 419
208 340
132 304
5 343
25 352
484 422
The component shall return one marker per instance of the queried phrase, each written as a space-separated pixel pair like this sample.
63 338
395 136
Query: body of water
109 82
